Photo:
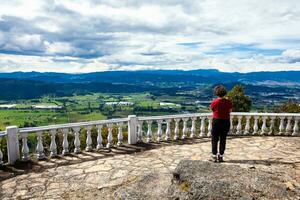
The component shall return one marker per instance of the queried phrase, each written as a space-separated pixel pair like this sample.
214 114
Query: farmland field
91 107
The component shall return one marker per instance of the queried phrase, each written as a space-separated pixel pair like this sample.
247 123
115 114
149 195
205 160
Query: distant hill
13 89
157 76
28 85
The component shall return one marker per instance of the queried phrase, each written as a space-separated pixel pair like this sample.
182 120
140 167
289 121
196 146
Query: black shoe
220 158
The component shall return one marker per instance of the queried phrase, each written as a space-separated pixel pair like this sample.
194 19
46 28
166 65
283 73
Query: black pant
220 129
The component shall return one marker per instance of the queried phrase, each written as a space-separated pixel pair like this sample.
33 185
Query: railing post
159 130
168 130
12 144
139 133
1 158
264 125
209 128
247 126
132 126
255 126
272 124
296 127
239 126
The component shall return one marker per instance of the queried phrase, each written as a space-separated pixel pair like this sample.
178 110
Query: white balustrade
159 130
120 134
76 140
168 130
99 137
296 127
289 126
53 146
149 131
176 130
25 149
88 139
65 143
202 127
193 128
247 126
209 128
281 126
288 129
264 126
109 136
239 126
39 146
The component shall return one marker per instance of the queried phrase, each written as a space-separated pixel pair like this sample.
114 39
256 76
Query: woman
221 108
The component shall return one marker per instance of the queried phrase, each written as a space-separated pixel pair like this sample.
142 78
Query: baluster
25 149
140 131
264 126
88 139
149 131
168 130
209 128
76 140
296 127
99 137
185 128
247 126
272 124
1 157
120 134
255 126
231 125
202 127
239 126
109 136
159 130
288 129
39 146
193 128
53 146
281 126
65 143
176 130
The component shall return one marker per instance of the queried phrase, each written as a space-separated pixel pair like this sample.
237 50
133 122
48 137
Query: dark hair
220 91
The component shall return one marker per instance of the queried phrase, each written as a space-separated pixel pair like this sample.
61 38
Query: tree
288 107
89 107
241 102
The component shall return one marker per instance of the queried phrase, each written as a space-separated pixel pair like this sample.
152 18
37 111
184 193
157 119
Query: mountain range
197 76
27 85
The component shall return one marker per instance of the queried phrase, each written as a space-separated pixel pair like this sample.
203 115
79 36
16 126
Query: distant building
7 106
46 107
202 102
168 104
120 103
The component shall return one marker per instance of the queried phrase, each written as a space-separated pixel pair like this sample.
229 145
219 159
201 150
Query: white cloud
28 41
58 47
99 35
292 53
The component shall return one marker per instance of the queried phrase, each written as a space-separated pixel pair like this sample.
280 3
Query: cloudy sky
99 35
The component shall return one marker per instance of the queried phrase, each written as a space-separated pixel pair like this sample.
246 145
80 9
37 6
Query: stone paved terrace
96 175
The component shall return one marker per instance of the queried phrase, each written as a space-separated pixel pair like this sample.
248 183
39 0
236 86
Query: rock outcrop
206 180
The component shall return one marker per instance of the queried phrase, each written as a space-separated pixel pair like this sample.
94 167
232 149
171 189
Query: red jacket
221 108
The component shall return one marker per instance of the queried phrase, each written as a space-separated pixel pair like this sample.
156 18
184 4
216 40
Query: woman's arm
212 105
